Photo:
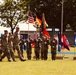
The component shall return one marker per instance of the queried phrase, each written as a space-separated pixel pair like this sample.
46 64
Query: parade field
67 66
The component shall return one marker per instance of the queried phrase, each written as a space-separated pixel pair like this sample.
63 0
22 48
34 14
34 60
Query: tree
12 12
70 13
52 11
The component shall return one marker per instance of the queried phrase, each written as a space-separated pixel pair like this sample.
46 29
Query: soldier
10 45
16 42
53 47
22 45
37 47
4 46
29 47
44 48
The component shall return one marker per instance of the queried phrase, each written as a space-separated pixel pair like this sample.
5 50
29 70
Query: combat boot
22 59
0 60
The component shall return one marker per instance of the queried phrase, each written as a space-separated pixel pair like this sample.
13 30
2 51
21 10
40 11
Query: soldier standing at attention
16 42
5 46
53 47
37 47
29 47
10 45
44 50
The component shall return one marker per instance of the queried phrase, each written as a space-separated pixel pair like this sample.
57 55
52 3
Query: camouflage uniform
29 47
44 48
16 42
37 48
53 48
4 47
22 46
10 45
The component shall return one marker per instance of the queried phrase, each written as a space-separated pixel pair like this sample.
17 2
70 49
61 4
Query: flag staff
28 16
62 17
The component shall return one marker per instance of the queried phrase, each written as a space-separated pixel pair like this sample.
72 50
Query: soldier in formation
10 45
16 42
29 47
5 46
22 42
44 48
37 42
53 44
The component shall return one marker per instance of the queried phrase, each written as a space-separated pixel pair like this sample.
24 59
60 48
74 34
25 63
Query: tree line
14 11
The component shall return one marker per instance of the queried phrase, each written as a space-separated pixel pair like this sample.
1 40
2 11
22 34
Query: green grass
67 66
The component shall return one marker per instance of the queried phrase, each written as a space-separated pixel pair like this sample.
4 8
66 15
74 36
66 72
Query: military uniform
37 48
10 45
44 48
16 42
5 48
29 47
53 48
22 46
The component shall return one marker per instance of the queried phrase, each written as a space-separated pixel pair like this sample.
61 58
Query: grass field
67 66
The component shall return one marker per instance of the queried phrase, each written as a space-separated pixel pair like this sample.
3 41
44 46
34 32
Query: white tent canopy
21 25
26 27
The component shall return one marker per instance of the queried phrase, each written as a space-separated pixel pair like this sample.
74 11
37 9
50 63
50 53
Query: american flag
30 19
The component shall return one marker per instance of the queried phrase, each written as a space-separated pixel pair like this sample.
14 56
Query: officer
10 45
16 42
37 47
29 47
53 44
4 46
44 48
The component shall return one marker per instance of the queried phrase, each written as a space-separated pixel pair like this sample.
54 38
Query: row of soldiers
41 47
10 43
14 42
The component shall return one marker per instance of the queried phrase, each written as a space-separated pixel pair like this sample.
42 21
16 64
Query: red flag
65 42
45 33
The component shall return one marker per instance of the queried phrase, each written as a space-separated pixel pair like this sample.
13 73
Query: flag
65 42
45 33
44 21
59 43
44 25
30 17
38 21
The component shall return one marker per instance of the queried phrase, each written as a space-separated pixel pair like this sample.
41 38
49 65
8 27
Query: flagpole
28 28
28 21
62 17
